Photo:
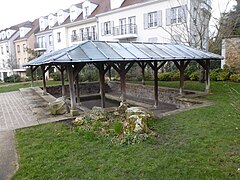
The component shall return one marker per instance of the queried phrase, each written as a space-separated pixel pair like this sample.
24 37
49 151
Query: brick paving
14 112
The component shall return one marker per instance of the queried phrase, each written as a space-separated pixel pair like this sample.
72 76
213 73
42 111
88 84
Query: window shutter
168 17
159 18
111 27
145 20
102 29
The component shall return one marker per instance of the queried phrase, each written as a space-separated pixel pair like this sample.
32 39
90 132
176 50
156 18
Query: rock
136 120
79 121
123 107
58 107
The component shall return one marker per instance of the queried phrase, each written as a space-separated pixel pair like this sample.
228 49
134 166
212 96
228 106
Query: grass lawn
8 87
197 144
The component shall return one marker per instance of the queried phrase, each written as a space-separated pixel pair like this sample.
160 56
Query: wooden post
122 69
32 79
143 66
102 85
123 85
207 87
73 110
110 73
44 80
77 89
155 69
62 80
181 69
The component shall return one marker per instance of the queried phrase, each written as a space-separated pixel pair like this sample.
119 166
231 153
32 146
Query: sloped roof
106 51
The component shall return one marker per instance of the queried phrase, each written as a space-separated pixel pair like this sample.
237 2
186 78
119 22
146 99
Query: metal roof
106 51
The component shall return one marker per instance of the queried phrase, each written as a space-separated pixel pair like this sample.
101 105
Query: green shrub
56 76
89 75
166 76
12 78
223 76
175 76
194 76
235 77
214 75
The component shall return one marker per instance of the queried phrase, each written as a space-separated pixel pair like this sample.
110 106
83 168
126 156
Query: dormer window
87 11
62 16
88 8
52 19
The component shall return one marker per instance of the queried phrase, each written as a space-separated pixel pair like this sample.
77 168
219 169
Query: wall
141 92
85 89
231 52
161 34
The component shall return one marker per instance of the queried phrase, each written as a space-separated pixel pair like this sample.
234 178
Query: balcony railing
84 37
40 45
127 29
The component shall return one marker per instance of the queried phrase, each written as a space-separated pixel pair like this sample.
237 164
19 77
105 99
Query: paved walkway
14 112
20 109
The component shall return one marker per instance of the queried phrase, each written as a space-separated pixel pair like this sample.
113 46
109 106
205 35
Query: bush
56 76
164 76
194 76
175 75
12 78
89 75
223 76
235 77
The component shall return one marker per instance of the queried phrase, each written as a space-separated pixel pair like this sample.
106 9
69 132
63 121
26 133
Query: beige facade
22 56
231 52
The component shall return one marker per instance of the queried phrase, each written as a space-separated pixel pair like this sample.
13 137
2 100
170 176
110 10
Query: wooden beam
207 86
155 69
73 109
202 63
62 80
181 77
102 71
44 80
78 68
32 78
181 67
122 69
143 66
77 89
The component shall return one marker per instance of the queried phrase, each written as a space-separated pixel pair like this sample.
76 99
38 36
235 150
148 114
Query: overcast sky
16 11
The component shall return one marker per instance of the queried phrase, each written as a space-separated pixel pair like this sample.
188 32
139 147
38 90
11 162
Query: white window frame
152 19
59 37
107 28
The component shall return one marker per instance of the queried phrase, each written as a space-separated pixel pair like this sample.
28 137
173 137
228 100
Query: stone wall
85 89
145 92
231 52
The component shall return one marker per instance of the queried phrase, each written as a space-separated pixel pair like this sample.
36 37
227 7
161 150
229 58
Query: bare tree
12 63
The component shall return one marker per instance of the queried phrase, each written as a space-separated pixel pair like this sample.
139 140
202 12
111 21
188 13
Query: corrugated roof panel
92 52
78 53
135 51
159 51
148 51
184 54
121 50
107 50
95 51
183 48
